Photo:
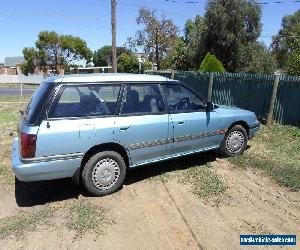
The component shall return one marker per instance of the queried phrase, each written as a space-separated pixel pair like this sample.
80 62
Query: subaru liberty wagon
95 127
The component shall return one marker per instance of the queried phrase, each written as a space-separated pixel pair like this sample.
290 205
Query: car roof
107 77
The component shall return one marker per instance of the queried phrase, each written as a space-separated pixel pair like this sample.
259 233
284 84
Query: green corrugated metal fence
248 91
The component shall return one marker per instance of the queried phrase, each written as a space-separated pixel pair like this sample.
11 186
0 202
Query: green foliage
147 65
30 55
211 64
177 57
156 37
128 63
288 39
103 56
230 26
256 58
194 37
293 63
56 52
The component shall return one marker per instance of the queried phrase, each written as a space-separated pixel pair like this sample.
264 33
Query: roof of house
107 77
13 61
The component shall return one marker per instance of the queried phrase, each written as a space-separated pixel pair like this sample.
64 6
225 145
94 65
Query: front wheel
235 141
104 173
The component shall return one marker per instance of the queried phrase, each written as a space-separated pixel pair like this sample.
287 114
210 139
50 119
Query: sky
21 21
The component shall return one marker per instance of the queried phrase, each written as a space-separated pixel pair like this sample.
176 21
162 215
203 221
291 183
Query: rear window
37 103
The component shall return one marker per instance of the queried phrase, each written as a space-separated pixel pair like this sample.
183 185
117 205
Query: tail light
28 145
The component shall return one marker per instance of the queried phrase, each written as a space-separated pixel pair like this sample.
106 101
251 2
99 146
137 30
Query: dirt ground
148 213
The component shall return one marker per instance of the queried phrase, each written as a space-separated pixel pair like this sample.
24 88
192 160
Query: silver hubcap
235 142
105 174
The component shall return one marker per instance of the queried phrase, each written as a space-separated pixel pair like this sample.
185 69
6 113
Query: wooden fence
272 98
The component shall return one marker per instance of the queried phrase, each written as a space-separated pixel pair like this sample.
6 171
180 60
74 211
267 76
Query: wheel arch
112 146
241 123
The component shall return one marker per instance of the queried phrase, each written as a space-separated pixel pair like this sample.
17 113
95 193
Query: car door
81 116
193 128
142 125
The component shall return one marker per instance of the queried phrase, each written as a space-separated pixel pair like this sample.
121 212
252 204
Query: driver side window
181 99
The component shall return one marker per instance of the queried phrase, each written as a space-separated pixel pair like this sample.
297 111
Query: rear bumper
253 129
42 170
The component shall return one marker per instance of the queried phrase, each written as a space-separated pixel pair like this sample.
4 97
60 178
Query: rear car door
81 116
142 125
193 128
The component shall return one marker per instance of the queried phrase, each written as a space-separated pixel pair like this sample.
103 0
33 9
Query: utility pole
113 36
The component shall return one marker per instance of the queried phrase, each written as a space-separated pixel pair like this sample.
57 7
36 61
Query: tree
288 39
35 61
156 37
231 25
61 50
177 58
194 37
211 63
29 65
128 63
103 56
293 63
256 58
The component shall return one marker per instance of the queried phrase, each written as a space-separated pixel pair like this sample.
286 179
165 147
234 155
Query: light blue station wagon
94 127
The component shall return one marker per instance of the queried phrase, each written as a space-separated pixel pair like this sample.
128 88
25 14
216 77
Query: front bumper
253 129
43 170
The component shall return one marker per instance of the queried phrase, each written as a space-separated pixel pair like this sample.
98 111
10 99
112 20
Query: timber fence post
210 86
273 98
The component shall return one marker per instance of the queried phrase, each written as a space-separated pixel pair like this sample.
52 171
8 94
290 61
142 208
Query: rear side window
37 102
143 98
81 101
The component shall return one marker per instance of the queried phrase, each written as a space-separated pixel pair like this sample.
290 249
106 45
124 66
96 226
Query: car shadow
30 194
152 170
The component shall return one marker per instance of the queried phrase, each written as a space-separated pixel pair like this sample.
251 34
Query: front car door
193 128
142 125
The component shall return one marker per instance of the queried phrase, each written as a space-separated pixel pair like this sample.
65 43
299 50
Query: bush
211 64
293 64
256 58
128 63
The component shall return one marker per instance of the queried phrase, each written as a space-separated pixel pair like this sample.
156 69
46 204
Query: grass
84 217
204 181
6 176
276 152
18 85
17 99
19 224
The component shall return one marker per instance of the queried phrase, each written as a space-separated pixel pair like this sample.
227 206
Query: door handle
124 129
180 123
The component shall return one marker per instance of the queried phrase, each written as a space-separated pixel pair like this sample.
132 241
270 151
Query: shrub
211 64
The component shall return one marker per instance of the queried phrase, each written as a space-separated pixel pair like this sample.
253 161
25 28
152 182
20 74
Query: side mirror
209 106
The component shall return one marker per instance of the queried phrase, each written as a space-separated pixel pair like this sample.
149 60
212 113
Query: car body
143 118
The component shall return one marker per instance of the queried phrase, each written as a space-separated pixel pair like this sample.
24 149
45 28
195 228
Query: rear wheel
235 141
104 173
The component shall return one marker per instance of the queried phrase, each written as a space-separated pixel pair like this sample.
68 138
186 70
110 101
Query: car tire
104 173
234 142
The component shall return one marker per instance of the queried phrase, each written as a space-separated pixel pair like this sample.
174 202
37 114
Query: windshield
37 100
